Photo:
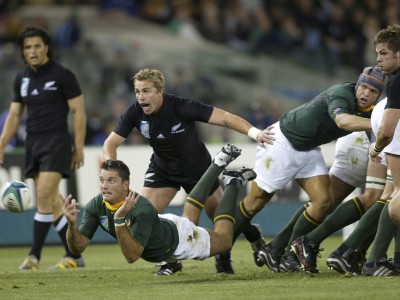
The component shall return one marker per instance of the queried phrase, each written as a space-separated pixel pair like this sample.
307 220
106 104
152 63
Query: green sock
304 225
368 223
243 218
396 255
280 241
199 194
345 214
227 207
384 235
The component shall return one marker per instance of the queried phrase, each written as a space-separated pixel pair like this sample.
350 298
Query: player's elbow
130 259
341 122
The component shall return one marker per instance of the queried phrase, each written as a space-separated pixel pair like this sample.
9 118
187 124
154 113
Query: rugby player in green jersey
142 232
295 154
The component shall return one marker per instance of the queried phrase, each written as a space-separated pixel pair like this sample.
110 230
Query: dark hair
32 31
118 166
389 35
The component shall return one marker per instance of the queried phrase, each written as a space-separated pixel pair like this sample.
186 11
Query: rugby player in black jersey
180 158
49 91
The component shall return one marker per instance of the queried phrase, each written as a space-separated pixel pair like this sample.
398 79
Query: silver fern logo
175 129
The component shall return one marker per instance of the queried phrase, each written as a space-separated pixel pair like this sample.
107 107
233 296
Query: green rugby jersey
158 236
313 123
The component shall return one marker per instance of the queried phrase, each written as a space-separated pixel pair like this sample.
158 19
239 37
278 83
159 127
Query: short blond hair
152 75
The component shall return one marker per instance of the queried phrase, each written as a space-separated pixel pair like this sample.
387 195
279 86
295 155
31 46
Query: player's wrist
119 221
377 149
253 133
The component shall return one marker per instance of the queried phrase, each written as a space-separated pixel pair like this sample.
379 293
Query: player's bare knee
394 211
324 206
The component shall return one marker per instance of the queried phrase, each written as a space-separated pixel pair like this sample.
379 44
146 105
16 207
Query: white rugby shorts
376 119
276 165
194 241
351 158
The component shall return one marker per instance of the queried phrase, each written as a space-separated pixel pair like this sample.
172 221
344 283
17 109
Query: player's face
388 61
35 52
113 188
366 95
148 96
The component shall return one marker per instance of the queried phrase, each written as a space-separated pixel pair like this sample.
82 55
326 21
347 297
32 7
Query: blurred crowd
323 34
329 33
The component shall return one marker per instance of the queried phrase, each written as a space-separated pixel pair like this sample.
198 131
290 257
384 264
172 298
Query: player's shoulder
60 69
95 203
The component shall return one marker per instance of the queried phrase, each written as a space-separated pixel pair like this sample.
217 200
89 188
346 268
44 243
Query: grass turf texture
108 276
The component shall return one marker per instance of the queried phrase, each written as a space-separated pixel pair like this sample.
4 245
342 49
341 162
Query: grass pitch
108 276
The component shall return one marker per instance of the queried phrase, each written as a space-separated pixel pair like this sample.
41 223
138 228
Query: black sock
41 226
252 233
61 227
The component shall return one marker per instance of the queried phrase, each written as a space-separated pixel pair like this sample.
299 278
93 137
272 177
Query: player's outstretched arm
352 123
77 243
226 119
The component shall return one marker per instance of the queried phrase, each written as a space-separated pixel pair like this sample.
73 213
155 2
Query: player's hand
77 160
130 202
375 156
70 208
266 136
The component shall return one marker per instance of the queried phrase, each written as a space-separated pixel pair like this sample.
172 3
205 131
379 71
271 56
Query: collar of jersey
42 68
367 109
113 207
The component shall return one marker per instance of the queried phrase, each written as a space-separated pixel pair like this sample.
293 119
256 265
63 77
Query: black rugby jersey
45 94
171 132
393 91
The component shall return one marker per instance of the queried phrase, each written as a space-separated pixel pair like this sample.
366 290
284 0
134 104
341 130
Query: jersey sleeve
70 85
337 105
194 110
393 92
127 121
17 89
89 223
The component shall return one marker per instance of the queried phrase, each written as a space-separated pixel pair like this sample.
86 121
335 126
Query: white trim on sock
45 218
61 223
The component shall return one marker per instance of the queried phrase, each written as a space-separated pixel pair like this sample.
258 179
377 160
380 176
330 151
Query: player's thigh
394 165
46 184
318 188
159 197
340 189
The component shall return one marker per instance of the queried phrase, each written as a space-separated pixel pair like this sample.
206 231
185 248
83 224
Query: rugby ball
16 196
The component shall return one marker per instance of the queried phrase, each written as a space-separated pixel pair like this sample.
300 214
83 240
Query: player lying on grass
142 232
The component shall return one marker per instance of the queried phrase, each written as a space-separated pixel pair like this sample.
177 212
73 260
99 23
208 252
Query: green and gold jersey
159 237
313 123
